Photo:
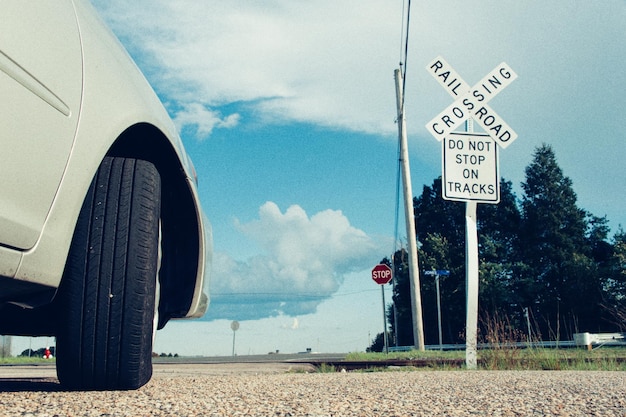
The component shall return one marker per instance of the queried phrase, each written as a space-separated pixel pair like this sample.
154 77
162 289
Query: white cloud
295 324
331 63
203 120
304 259
299 61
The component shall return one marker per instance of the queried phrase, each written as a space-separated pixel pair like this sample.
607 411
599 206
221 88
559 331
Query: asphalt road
42 377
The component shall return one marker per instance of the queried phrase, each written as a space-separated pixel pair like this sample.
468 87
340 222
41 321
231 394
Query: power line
404 43
405 57
290 294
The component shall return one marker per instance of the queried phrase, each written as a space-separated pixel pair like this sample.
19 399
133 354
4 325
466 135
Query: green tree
378 344
542 252
440 228
556 247
614 304
498 232
616 284
399 314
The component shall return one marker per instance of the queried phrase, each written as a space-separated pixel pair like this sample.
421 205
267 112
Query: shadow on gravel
29 385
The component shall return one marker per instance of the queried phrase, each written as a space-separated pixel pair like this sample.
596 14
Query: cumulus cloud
202 120
304 259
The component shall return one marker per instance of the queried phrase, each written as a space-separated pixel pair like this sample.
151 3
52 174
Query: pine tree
553 245
613 268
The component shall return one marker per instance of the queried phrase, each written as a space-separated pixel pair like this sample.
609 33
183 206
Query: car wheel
106 300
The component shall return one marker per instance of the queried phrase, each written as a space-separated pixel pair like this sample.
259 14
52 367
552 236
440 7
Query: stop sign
381 274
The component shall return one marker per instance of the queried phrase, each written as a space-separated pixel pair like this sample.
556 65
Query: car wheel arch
179 217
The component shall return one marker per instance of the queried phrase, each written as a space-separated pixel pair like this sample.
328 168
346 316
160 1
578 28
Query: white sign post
470 164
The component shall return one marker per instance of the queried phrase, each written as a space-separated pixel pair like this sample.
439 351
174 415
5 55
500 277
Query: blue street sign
440 272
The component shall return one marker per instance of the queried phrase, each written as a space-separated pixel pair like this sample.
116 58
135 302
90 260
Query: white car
102 237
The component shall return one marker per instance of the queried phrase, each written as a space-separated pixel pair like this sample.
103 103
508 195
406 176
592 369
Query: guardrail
589 340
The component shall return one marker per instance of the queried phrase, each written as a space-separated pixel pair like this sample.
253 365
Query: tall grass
511 349
503 339
514 358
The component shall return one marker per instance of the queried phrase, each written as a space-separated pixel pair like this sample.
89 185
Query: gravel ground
270 391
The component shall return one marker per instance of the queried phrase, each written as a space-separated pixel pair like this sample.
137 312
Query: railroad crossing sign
470 168
381 274
471 102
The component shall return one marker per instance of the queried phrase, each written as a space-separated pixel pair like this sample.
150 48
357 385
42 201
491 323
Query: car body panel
113 98
9 261
48 83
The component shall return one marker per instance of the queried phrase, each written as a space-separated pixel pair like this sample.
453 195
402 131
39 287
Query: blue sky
288 110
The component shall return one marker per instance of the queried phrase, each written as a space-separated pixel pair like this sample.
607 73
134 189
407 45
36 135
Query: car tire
106 300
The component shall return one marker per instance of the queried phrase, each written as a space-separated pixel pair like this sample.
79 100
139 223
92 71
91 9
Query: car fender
116 102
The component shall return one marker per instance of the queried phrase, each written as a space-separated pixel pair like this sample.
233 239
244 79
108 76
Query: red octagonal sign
381 274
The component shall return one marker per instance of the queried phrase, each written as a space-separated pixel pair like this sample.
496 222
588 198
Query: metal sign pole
382 274
382 290
437 273
234 327
439 312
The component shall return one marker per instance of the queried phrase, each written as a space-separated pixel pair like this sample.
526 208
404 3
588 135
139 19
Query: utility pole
416 298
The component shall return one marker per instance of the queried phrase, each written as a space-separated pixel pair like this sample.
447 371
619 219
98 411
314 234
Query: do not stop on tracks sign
381 274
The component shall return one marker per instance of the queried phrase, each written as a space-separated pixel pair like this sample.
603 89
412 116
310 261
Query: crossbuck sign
470 160
471 102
